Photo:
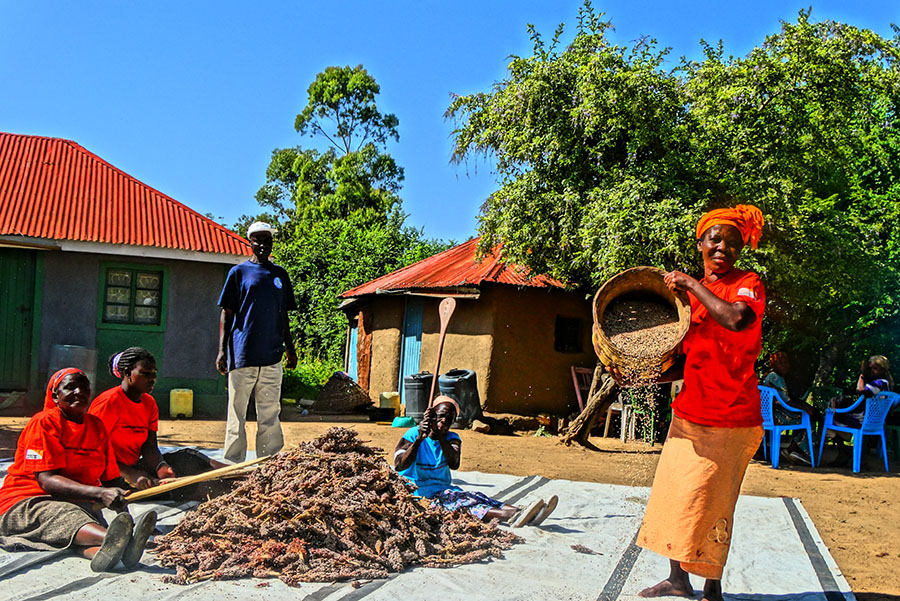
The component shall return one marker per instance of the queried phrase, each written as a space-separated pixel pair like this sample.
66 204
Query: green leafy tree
353 173
606 159
806 125
333 255
338 206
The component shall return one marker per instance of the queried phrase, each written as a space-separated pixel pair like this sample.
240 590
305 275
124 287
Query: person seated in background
428 452
64 467
131 417
796 452
874 377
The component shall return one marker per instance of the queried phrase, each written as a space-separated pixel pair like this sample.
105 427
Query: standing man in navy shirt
253 334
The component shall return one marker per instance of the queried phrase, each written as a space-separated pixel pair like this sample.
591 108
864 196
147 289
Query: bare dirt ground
856 515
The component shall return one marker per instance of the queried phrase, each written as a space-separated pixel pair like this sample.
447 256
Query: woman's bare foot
668 588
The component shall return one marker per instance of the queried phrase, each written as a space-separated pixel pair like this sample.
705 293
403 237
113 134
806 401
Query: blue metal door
411 344
352 360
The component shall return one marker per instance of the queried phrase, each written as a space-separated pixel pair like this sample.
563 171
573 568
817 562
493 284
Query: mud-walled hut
521 335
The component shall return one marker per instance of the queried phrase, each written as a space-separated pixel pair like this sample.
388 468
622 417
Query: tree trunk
826 366
600 397
829 357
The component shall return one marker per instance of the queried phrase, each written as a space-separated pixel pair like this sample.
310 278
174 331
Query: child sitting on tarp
428 452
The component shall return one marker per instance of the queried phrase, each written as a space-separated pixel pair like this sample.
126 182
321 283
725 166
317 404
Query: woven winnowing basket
637 280
341 394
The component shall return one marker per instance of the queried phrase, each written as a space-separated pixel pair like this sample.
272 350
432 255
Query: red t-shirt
81 452
127 422
720 385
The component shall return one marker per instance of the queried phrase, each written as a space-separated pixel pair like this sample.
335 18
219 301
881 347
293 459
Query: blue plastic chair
877 409
767 397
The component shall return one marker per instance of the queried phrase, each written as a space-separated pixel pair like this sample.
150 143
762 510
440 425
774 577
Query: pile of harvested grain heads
330 509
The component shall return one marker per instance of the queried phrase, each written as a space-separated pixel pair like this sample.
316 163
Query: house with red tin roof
92 261
520 333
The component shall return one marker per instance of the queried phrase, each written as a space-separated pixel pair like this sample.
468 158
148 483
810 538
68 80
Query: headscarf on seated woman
55 379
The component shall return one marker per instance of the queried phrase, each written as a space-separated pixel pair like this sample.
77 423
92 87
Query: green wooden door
16 316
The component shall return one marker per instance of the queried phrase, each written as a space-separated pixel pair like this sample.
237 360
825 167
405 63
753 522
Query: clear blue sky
192 97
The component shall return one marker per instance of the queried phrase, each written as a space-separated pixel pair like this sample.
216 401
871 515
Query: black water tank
461 385
415 394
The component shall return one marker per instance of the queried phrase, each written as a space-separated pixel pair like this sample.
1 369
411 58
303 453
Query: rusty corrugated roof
455 268
54 188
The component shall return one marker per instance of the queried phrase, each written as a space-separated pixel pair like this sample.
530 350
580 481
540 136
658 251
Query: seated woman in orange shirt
131 417
64 464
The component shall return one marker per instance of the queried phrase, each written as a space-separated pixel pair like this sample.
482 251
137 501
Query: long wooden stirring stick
188 480
446 311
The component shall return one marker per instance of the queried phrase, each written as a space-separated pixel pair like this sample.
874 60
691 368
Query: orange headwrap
55 379
746 218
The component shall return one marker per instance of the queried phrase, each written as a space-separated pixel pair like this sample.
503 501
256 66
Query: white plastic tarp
776 555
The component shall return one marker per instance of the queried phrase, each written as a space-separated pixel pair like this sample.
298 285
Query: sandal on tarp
117 537
545 511
143 528
526 515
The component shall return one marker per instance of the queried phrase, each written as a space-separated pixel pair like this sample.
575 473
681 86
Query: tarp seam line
71 587
823 573
323 592
541 481
366 589
517 484
30 560
619 576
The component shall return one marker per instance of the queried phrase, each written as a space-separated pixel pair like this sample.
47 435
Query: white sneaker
527 514
545 512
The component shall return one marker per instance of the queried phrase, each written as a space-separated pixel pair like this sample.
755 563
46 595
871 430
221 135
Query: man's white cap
260 226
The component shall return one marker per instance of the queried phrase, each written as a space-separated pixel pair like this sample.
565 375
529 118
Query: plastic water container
390 400
415 394
70 355
181 402
461 385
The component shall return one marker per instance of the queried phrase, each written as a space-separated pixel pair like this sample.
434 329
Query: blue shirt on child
259 295
430 471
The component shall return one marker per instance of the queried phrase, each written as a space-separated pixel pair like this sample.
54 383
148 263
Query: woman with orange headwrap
716 423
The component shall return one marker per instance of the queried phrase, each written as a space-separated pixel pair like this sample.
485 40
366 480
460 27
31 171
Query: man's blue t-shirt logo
278 283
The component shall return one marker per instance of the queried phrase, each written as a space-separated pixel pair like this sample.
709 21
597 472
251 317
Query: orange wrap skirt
691 508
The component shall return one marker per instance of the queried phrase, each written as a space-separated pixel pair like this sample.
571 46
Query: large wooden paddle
221 472
446 310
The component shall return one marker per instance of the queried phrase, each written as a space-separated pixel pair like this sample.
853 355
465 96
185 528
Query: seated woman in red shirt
131 417
63 466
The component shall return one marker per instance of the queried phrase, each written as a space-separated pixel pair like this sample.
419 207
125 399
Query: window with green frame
133 296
